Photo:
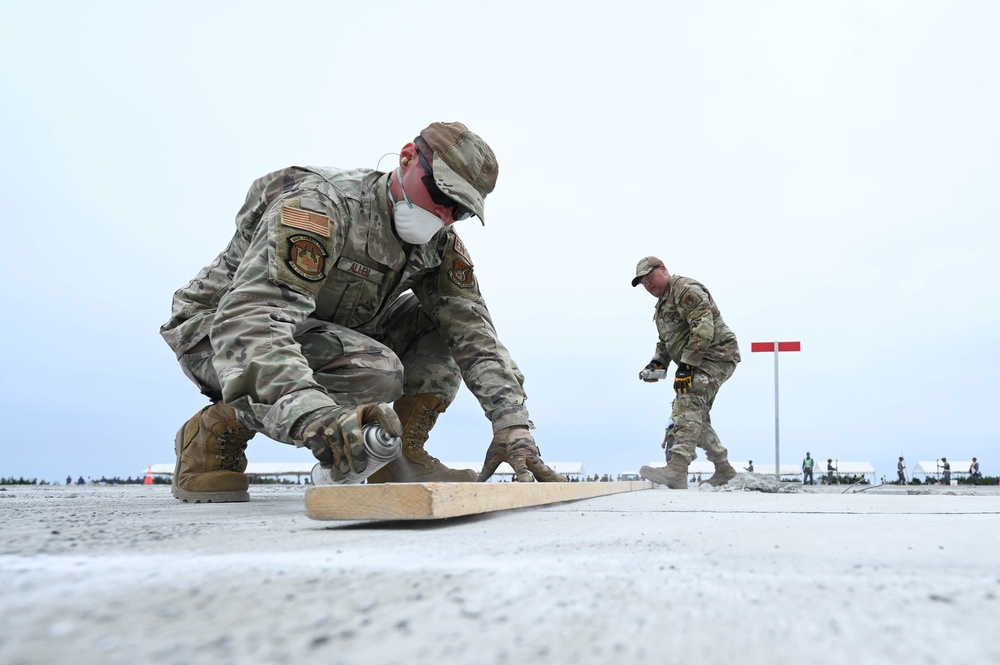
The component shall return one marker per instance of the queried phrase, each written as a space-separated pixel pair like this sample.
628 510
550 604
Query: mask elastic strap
401 188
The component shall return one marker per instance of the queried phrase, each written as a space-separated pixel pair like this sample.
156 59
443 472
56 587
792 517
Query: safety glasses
459 211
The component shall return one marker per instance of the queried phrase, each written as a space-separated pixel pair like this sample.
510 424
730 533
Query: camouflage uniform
308 307
692 331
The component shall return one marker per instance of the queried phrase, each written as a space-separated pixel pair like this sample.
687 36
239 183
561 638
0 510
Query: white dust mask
413 224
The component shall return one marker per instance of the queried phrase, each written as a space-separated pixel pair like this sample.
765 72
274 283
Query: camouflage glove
682 379
516 446
653 366
334 435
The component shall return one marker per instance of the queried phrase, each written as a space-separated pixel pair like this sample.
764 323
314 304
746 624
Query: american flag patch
305 220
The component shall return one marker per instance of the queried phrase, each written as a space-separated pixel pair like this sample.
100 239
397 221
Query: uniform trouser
403 355
691 413
807 476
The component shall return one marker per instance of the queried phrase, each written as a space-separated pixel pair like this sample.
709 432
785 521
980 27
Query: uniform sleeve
451 296
660 353
696 307
260 366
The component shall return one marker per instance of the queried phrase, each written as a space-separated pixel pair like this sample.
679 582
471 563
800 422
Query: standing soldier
807 470
946 468
668 440
341 291
977 476
830 468
901 470
693 335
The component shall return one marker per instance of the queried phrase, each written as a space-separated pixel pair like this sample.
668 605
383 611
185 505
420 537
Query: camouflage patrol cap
465 168
646 265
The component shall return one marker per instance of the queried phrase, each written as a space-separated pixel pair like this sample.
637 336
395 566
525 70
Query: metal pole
777 456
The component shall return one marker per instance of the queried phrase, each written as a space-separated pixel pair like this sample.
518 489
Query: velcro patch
689 300
461 272
460 248
306 257
360 270
305 220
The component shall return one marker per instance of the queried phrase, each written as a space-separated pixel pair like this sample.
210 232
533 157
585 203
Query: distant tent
702 469
253 469
504 472
571 469
932 469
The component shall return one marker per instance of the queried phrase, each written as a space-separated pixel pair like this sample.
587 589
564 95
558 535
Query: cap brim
639 278
455 187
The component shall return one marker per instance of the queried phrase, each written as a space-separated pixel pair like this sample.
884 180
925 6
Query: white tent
842 469
253 469
504 472
702 469
304 468
932 469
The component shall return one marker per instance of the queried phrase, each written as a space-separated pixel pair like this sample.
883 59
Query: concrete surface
129 575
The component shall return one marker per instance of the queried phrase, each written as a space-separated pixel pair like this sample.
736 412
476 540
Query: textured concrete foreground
129 575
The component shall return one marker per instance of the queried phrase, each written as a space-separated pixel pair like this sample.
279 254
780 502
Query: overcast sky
828 170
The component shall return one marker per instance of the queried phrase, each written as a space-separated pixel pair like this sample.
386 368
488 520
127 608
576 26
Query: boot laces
232 444
418 432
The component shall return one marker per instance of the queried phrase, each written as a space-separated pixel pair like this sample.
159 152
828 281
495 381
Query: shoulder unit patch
461 273
306 257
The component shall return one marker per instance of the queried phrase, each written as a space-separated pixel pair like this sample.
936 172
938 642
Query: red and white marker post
776 348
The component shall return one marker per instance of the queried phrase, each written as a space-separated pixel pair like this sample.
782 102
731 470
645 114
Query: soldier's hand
516 446
334 435
682 379
651 367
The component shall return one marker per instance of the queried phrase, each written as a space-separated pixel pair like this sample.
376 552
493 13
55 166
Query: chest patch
461 274
306 257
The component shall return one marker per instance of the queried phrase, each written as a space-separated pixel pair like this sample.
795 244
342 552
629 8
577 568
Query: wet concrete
129 575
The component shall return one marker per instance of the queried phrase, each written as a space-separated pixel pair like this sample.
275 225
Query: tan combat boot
724 472
211 457
674 475
418 415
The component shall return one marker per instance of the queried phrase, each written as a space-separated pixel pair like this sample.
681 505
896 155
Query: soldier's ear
407 154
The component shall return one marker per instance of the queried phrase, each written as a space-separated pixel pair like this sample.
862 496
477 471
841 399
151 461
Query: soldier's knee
389 384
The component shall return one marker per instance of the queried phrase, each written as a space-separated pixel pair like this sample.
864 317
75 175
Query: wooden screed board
423 501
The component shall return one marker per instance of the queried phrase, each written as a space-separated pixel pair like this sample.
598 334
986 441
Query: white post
777 455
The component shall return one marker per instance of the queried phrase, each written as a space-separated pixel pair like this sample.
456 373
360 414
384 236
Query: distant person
977 477
946 469
807 470
901 471
69 480
830 469
749 467
342 291
692 334
668 440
